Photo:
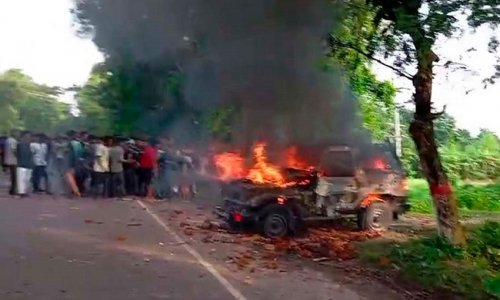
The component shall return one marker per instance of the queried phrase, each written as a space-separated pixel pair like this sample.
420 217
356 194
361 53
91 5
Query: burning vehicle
278 201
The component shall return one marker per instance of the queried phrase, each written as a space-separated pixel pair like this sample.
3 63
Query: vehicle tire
276 222
376 217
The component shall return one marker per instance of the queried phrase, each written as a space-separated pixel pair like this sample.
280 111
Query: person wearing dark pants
24 164
40 150
130 176
130 168
116 160
13 179
145 176
148 164
117 182
101 169
39 174
10 161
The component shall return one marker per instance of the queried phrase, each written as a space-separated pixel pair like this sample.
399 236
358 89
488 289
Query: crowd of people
86 165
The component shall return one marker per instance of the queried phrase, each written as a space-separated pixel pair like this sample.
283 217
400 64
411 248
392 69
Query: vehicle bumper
235 213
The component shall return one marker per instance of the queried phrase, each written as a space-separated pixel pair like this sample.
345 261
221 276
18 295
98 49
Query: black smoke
264 56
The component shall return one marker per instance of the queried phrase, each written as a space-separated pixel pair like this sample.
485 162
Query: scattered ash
318 244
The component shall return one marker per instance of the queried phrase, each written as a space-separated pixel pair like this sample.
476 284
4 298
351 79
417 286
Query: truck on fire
372 187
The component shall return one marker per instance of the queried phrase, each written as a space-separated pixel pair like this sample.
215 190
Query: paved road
86 249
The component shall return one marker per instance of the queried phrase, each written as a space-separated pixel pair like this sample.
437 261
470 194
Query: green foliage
361 34
28 105
485 243
376 98
480 197
464 157
131 99
471 271
219 123
419 197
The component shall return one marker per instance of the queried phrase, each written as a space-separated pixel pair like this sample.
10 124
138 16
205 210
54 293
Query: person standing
101 168
74 163
10 160
87 161
40 150
58 151
148 165
116 160
24 164
60 147
130 166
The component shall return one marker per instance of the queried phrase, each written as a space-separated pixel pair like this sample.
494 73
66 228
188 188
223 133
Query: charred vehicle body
346 182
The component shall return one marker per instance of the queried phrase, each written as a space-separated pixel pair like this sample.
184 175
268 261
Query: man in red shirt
148 164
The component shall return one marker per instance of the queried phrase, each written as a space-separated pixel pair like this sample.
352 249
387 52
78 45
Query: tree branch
334 42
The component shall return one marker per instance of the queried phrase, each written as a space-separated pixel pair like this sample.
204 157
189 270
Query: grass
471 272
471 197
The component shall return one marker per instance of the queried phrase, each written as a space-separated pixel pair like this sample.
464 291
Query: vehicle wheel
376 217
276 223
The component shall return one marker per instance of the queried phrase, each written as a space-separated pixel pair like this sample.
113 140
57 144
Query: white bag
23 180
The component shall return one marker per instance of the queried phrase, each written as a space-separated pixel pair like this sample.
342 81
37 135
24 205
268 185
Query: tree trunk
422 132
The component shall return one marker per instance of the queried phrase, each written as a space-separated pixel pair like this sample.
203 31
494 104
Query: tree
375 97
408 30
134 98
9 92
28 105
411 28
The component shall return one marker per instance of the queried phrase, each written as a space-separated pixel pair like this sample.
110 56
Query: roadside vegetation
471 271
471 196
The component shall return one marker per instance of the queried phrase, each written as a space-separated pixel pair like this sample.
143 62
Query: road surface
57 248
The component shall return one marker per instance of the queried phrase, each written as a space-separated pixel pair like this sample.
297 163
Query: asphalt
58 248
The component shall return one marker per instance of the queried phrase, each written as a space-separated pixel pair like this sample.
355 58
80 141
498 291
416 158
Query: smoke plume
264 56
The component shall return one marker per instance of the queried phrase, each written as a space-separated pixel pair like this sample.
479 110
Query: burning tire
376 217
276 222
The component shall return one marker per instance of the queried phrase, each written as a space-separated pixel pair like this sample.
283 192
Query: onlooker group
86 165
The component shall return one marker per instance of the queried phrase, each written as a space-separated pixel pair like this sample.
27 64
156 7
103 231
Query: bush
470 196
471 271
484 243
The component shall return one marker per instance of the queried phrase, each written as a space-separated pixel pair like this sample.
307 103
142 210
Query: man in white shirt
40 150
101 168
10 160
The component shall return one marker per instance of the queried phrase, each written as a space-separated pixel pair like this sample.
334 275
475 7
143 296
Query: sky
41 41
38 37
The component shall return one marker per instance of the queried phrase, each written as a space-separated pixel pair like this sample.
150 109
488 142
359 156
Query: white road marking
210 268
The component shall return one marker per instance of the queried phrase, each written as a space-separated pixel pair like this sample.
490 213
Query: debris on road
319 244
322 259
120 238
89 221
134 224
206 225
189 231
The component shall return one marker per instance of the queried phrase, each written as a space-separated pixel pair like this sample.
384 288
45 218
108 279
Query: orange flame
292 160
229 165
263 171
380 164
369 199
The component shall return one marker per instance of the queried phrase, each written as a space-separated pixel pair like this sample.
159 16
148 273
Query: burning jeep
278 201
